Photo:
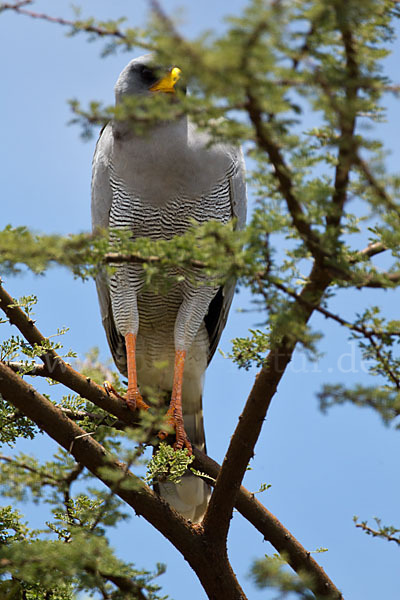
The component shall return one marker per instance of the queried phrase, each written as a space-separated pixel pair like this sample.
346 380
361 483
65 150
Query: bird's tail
189 497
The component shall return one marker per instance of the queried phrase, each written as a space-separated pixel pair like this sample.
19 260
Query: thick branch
59 370
212 567
241 448
277 533
274 532
261 518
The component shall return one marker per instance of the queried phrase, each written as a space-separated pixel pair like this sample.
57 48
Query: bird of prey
155 184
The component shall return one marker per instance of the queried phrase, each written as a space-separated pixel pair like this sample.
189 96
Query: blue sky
323 469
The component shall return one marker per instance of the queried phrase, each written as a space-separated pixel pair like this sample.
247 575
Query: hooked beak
167 83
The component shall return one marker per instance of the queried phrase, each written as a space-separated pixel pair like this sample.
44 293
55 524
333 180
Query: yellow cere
166 84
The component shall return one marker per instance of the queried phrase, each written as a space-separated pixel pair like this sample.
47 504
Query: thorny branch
264 521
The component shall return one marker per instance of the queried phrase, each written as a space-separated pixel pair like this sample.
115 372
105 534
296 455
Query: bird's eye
148 75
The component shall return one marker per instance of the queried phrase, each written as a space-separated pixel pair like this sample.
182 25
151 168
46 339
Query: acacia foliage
324 208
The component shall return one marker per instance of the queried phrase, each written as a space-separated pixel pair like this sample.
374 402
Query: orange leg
174 413
133 398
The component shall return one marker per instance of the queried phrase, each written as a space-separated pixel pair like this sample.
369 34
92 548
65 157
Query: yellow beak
167 83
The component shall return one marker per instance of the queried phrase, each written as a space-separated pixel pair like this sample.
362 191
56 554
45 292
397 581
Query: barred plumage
155 186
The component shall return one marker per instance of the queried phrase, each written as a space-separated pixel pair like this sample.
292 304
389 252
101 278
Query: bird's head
142 77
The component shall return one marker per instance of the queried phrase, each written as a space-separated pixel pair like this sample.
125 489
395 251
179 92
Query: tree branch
371 250
380 281
59 370
299 219
274 532
241 447
347 120
381 192
278 534
212 567
124 584
382 533
364 331
35 370
47 478
77 25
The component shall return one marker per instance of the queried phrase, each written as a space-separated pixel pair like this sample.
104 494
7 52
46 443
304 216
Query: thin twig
368 333
381 192
375 533
46 478
76 25
371 250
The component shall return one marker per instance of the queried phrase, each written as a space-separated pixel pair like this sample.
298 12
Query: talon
185 443
111 390
134 400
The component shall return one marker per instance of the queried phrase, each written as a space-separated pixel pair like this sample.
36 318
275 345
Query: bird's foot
110 389
133 397
182 440
134 400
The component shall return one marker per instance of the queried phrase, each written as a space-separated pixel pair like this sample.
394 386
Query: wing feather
217 315
101 206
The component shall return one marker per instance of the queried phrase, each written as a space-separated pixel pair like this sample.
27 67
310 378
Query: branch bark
211 566
265 141
59 370
274 532
251 509
241 447
347 119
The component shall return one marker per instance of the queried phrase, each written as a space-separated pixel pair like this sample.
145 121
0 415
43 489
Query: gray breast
171 217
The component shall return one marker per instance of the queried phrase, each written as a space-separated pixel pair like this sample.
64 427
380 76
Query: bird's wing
217 315
101 206
101 190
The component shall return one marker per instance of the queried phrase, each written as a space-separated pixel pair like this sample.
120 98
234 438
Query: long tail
191 496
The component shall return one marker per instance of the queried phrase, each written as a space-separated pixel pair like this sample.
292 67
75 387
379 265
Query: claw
110 389
135 401
133 398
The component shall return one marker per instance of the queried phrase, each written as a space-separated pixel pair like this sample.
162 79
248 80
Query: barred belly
155 313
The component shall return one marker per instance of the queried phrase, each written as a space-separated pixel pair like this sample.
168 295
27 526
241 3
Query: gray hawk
155 185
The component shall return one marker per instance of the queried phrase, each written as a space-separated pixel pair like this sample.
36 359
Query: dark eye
148 75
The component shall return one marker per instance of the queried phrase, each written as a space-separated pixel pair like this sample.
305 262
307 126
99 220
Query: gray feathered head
142 76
